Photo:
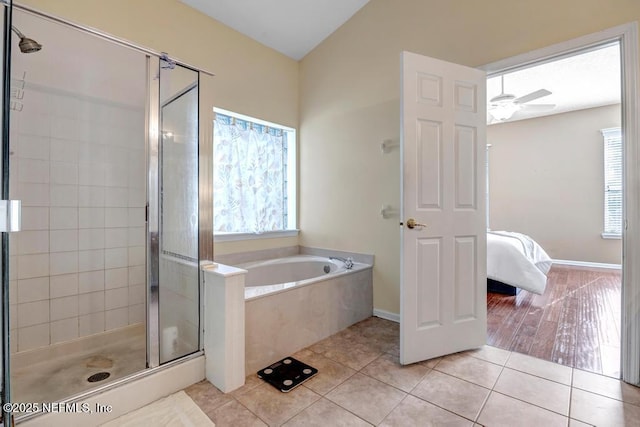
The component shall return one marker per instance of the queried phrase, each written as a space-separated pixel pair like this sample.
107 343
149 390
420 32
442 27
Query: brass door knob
411 223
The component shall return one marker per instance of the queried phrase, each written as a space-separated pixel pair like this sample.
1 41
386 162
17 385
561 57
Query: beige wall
546 180
250 79
350 102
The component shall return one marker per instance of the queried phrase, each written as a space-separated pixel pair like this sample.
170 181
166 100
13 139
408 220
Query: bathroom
342 104
92 306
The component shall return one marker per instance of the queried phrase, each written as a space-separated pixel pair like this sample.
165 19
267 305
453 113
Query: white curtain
249 177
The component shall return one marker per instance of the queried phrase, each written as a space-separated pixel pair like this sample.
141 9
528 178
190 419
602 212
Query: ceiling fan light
502 112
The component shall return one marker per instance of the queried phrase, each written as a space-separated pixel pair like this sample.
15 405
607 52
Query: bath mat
175 410
287 374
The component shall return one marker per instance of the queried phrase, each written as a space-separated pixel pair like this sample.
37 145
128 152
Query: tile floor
361 383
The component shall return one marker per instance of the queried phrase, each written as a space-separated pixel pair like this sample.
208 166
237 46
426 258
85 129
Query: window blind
612 181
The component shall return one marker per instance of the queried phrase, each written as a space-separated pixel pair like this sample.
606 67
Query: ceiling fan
503 106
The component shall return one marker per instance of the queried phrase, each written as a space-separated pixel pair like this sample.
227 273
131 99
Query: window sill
612 236
231 237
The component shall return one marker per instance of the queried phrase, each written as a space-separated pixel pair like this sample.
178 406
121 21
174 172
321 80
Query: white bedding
517 260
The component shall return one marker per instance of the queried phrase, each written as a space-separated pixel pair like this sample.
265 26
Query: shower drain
100 376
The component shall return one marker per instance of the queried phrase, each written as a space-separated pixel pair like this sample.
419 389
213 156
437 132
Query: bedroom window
254 176
612 183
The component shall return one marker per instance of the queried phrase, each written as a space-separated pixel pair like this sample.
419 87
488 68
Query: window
612 183
254 187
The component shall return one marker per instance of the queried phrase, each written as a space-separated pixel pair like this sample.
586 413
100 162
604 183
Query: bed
517 261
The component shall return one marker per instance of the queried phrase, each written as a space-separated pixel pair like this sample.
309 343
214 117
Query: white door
443 256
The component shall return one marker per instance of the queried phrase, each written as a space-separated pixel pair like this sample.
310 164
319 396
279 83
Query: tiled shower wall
78 265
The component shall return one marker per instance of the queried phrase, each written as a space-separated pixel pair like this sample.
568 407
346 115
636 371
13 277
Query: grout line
484 404
532 404
571 393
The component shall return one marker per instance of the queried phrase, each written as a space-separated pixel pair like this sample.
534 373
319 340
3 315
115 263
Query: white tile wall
92 281
63 218
35 218
63 240
63 285
116 278
90 324
64 308
116 318
78 266
64 330
32 242
91 303
30 290
91 260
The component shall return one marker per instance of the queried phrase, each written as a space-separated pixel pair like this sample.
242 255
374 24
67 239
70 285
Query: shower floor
55 373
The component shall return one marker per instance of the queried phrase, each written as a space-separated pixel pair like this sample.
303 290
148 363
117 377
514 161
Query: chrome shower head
26 44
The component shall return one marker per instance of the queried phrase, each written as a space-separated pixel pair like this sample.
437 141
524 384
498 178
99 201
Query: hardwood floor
576 322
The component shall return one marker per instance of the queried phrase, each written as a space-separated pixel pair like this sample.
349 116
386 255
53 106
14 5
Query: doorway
626 36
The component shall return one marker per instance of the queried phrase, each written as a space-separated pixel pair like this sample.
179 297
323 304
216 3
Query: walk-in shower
104 273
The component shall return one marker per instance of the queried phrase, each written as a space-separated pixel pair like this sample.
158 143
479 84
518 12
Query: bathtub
293 302
277 275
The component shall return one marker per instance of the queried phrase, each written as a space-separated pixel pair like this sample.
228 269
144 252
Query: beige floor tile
388 369
207 397
452 393
541 368
504 411
233 414
275 407
416 412
576 423
330 373
490 354
377 328
322 413
366 397
470 369
610 357
351 352
606 386
250 382
384 335
431 363
602 411
538 391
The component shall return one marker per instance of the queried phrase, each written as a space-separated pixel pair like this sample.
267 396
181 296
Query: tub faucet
348 262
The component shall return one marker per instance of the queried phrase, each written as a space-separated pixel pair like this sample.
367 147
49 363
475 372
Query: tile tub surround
279 324
370 387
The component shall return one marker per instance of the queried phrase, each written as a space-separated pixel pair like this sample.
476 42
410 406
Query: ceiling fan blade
531 96
538 107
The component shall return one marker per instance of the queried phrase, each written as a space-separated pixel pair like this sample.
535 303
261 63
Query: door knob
411 223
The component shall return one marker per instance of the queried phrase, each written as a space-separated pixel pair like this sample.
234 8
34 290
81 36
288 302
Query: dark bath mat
287 374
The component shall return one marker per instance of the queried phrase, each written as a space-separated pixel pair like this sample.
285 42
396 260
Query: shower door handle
10 215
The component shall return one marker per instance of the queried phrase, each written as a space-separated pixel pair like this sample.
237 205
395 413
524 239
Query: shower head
26 44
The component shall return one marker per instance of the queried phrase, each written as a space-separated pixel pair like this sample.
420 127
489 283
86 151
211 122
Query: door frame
627 36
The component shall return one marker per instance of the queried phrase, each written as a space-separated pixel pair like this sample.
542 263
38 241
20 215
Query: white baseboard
394 317
587 264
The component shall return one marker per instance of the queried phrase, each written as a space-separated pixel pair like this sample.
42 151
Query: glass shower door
77 267
178 295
